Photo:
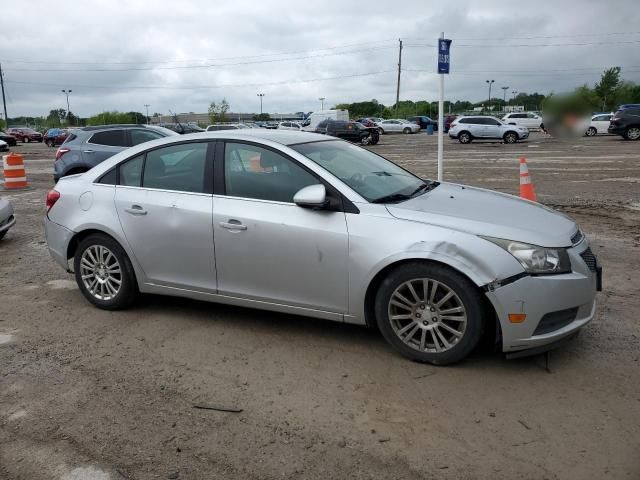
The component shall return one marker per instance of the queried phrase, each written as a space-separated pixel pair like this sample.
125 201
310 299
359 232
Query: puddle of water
86 473
62 284
5 338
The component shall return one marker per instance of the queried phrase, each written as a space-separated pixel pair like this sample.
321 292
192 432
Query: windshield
374 177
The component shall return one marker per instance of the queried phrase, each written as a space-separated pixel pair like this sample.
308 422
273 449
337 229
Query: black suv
626 122
352 131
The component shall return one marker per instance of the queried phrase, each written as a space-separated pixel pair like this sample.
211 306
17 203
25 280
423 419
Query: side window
254 172
139 136
131 171
112 138
179 167
109 178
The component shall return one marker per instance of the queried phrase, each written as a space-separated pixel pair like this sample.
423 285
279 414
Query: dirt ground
92 395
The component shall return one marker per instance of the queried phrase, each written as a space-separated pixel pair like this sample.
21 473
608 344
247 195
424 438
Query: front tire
104 273
464 137
591 132
429 313
510 137
632 133
381 130
406 130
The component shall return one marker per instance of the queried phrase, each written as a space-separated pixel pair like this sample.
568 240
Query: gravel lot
88 394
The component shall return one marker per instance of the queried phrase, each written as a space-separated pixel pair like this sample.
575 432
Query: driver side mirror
313 196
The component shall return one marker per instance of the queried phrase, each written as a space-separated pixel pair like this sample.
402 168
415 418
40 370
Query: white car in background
597 125
397 125
524 119
4 146
289 126
469 128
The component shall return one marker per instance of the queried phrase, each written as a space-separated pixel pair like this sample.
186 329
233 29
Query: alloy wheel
101 273
427 315
633 133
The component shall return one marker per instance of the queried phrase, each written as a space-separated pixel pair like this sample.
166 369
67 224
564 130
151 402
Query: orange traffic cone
14 174
526 186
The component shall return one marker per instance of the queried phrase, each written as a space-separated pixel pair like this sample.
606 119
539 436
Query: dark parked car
25 134
351 131
55 136
86 147
424 122
8 139
626 122
448 120
183 128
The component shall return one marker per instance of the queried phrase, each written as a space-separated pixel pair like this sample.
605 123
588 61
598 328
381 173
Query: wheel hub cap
427 315
100 271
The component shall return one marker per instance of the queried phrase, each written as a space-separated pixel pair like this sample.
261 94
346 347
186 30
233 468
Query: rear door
102 145
601 123
493 128
164 203
477 127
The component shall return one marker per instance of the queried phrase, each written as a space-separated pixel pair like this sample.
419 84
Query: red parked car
24 134
55 136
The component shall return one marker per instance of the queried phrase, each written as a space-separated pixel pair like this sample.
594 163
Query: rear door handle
233 225
87 151
136 210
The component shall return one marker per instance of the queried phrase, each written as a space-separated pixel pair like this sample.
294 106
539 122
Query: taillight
60 152
52 198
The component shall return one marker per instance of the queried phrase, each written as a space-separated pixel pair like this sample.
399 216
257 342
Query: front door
268 248
164 203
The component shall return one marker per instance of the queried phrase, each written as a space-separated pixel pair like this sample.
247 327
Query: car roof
283 137
119 125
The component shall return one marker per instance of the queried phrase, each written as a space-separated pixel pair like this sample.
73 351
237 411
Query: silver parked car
468 128
398 125
7 219
308 224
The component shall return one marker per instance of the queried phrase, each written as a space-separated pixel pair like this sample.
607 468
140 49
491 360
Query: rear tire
414 319
464 137
632 133
104 273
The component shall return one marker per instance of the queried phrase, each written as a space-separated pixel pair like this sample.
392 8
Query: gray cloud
576 40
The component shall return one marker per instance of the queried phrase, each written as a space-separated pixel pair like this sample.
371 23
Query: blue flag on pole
443 55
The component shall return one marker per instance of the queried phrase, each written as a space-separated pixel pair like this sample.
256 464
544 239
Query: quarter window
254 172
139 136
179 167
131 172
112 138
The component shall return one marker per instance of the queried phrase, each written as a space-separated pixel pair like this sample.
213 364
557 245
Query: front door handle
233 225
136 210
87 151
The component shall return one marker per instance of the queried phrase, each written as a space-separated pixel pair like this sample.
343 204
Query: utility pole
67 92
490 82
261 95
513 93
321 103
504 97
399 70
4 101
146 105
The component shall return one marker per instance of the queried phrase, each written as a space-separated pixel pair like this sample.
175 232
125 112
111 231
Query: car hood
488 213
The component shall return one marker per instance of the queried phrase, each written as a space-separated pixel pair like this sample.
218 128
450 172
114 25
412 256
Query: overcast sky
180 55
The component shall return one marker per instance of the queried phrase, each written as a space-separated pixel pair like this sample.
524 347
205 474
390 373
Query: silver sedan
307 224
397 126
7 219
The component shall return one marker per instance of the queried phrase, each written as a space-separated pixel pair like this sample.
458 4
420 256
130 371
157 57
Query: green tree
218 111
607 86
262 117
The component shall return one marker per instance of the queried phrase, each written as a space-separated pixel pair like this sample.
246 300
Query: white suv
467 129
529 120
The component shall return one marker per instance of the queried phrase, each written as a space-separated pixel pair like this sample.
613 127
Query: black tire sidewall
510 135
464 135
464 288
128 288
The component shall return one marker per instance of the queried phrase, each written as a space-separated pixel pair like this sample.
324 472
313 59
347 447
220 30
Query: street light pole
490 82
321 103
146 105
67 92
261 95
513 93
504 97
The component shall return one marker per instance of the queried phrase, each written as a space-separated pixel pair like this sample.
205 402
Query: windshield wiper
400 197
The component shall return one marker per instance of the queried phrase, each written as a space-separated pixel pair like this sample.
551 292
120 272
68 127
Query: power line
205 87
536 45
240 57
577 35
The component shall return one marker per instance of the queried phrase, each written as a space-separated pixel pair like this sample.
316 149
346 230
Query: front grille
577 238
556 320
589 258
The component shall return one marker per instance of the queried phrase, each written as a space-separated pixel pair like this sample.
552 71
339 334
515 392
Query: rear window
112 138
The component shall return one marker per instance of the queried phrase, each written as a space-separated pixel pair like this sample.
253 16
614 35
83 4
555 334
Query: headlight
536 259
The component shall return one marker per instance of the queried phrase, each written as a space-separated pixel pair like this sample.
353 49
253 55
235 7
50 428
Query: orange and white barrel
15 176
